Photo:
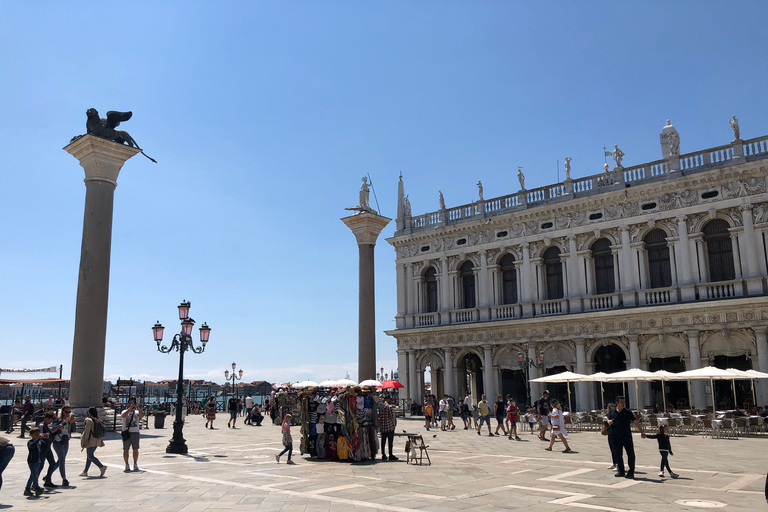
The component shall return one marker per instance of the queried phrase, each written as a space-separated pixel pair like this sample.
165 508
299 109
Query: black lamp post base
178 448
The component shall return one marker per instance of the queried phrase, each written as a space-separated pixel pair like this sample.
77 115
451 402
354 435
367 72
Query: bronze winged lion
105 128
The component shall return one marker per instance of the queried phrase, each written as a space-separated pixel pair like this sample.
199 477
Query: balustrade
508 311
660 296
758 146
721 290
606 301
552 307
464 315
426 320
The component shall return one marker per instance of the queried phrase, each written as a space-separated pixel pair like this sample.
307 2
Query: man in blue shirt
621 420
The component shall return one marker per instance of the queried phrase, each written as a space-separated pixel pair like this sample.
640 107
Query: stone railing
507 311
720 290
426 320
659 296
605 301
752 149
552 307
461 316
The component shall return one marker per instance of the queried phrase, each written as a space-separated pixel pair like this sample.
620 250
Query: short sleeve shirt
131 422
483 407
545 405
233 404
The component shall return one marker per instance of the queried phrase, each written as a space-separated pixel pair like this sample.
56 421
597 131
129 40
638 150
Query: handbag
125 434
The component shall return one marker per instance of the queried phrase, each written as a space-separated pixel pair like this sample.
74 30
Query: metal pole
61 370
178 444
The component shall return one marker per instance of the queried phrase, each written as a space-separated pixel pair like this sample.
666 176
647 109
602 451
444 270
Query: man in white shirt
248 409
441 408
469 410
130 432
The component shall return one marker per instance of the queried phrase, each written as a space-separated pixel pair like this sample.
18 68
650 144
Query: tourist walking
499 411
233 406
65 424
27 413
36 456
665 449
513 413
543 406
557 419
7 451
449 410
467 411
387 424
608 432
427 413
484 409
49 432
92 438
621 419
210 412
287 440
442 411
130 433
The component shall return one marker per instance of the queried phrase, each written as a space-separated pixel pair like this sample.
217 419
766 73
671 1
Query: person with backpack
92 438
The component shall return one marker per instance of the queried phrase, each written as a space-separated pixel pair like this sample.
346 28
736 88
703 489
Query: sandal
548 449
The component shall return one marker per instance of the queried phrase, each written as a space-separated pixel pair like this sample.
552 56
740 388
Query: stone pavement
235 469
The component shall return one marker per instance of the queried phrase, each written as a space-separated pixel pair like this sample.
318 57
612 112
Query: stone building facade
656 266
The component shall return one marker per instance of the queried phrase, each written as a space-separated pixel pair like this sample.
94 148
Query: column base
754 286
688 292
629 299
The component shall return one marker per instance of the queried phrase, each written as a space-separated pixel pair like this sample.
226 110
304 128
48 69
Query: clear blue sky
264 116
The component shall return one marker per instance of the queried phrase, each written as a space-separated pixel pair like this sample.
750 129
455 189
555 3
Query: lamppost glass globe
157 330
234 365
226 374
184 310
240 373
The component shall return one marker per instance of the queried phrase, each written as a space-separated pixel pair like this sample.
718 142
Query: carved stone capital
100 158
366 226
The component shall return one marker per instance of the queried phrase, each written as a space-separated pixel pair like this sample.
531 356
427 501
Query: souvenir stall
287 403
338 425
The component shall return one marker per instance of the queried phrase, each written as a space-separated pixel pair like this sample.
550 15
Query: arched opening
513 384
508 280
724 388
467 273
472 370
657 250
603 259
676 391
554 273
430 282
558 390
719 251
610 359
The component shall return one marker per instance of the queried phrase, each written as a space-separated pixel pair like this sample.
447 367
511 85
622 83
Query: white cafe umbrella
305 384
709 373
345 382
631 375
328 384
566 377
741 374
600 377
754 374
370 383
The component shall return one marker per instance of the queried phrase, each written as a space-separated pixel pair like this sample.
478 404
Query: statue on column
406 207
735 127
480 189
105 128
568 168
364 194
442 200
617 154
521 178
674 144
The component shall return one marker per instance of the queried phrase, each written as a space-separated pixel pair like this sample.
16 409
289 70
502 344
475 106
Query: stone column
634 362
699 397
413 387
701 254
446 293
484 285
366 227
761 385
402 373
102 161
582 388
526 281
737 263
410 291
574 276
489 379
450 380
751 250
402 302
534 373
629 269
685 263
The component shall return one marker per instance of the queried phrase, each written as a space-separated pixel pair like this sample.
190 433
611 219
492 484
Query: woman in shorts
210 412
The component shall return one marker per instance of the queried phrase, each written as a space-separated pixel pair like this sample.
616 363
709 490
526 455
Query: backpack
98 431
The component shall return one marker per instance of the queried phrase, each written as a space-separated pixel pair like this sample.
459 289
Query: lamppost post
181 343
235 377
526 363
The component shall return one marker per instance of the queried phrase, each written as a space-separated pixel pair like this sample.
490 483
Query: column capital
366 226
746 207
681 219
633 338
692 334
101 159
760 329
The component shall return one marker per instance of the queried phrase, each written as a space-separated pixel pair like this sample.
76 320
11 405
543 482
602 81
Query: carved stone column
366 227
413 387
582 388
412 307
446 289
751 249
685 263
402 302
102 160
701 255
761 385
489 378
699 397
629 269
526 281
402 373
634 362
483 301
575 276
450 380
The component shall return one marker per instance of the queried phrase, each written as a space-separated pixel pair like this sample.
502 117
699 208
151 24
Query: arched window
508 280
719 251
467 273
603 258
554 270
659 270
430 282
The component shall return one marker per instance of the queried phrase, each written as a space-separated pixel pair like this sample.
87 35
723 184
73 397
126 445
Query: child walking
37 447
665 449
558 427
287 440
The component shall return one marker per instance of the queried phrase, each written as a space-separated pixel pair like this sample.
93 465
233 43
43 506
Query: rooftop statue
617 154
521 177
568 167
735 127
442 200
480 189
674 144
406 207
105 128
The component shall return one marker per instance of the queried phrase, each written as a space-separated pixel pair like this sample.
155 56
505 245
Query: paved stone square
236 470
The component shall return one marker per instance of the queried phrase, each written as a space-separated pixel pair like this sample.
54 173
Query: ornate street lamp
526 363
235 377
181 343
